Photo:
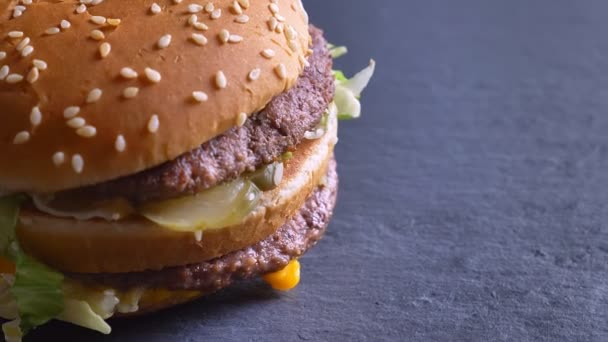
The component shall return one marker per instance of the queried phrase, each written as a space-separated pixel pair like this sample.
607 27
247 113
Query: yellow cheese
285 279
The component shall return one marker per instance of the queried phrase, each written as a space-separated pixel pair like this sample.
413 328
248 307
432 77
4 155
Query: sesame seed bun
101 98
138 244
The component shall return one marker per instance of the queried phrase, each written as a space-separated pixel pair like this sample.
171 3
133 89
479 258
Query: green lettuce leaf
37 289
9 212
348 91
337 51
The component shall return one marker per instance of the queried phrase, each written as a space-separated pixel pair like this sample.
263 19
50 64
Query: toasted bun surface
138 244
46 152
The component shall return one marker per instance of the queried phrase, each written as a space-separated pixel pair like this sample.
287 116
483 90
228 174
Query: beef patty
278 128
292 240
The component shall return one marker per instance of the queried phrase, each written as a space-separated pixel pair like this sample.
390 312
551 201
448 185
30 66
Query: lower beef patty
278 128
292 240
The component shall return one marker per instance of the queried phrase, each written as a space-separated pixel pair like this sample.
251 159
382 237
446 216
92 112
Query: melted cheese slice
285 279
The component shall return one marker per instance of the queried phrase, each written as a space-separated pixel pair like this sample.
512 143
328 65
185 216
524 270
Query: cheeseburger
156 152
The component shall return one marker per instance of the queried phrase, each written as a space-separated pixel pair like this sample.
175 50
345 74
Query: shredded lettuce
80 313
9 212
37 289
337 51
348 91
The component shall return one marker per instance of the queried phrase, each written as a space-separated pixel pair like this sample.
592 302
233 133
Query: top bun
107 89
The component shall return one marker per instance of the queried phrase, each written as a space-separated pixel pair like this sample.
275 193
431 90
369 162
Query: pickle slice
218 207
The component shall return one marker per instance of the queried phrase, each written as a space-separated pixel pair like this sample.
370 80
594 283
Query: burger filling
214 186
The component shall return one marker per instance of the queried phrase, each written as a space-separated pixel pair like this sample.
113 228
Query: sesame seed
281 71
164 41
192 19
14 78
199 39
76 122
274 8
35 116
81 8
33 75
113 21
94 95
177 1
26 2
22 44
220 80
52 30
71 112
65 24
200 26
279 28
15 34
194 8
209 7
293 45
255 74
244 3
200 96
2 55
77 163
242 19
303 61
236 8
241 119
97 35
153 124
128 73
235 38
291 33
27 51
130 92
268 53
279 17
120 144
99 20
4 71
40 64
105 49
155 9
87 131
198 235
216 14
58 158
153 75
96 2
21 138
224 36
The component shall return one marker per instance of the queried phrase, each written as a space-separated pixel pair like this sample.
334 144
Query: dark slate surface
473 203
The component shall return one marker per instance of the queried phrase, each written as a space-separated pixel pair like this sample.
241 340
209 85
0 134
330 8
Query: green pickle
221 206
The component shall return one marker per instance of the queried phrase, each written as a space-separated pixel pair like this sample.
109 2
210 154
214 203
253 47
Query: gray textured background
473 204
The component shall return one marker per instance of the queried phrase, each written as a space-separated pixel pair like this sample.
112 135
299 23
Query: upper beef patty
265 136
290 241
